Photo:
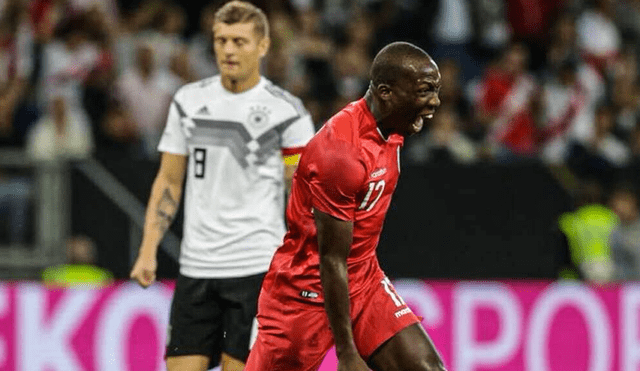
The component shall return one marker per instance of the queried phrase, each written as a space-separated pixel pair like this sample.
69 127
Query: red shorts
294 336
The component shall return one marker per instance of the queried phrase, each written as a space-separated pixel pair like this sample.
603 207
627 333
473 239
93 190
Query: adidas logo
203 111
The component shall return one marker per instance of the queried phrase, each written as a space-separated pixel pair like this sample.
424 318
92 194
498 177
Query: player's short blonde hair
240 12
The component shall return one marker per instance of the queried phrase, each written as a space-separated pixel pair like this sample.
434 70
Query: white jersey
234 201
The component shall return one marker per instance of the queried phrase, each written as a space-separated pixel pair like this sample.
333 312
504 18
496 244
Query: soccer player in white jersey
236 137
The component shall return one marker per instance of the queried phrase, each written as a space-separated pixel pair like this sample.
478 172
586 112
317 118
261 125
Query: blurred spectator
453 35
493 32
626 65
109 8
602 153
283 65
119 137
165 35
443 142
61 134
145 93
588 230
201 54
352 62
47 15
625 238
628 20
131 24
81 269
316 49
16 66
505 106
16 114
452 94
407 20
68 61
625 98
598 36
530 21
563 44
97 87
569 99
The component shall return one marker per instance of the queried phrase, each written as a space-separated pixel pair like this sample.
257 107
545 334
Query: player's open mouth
418 124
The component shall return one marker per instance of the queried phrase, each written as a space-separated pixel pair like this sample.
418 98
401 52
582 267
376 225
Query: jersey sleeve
335 175
173 138
296 136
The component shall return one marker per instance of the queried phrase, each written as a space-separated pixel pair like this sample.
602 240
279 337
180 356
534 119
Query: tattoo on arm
165 211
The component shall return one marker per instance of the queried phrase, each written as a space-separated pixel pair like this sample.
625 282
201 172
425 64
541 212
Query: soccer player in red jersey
324 285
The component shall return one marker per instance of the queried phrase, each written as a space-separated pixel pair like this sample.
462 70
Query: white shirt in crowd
64 72
558 99
75 142
598 35
147 101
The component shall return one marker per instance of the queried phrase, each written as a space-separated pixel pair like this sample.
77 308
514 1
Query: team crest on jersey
258 116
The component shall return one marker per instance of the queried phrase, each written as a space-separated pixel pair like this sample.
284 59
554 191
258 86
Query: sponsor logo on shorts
402 312
309 294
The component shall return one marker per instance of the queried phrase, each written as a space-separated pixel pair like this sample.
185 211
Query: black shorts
213 316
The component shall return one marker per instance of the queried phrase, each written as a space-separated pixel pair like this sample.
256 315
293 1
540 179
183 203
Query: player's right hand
144 271
352 362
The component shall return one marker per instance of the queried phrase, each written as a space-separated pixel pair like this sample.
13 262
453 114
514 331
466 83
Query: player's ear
263 46
384 91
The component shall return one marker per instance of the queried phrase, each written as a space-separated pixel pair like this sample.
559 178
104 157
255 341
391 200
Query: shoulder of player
337 159
336 138
285 98
344 126
195 87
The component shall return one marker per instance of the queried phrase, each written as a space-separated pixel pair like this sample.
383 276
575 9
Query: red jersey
499 90
349 171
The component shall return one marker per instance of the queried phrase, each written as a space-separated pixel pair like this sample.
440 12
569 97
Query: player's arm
334 242
290 166
162 208
335 175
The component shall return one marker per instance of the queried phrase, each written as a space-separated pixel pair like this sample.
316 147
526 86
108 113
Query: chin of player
233 73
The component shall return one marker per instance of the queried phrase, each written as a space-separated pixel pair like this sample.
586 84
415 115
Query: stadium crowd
537 80
552 80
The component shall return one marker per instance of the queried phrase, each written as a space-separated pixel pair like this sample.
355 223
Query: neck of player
238 85
374 107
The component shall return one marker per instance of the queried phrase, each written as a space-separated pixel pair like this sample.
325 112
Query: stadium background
480 197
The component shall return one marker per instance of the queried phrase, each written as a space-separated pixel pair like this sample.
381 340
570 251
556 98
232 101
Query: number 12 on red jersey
373 187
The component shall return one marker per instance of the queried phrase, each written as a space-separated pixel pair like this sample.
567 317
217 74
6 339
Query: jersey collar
227 93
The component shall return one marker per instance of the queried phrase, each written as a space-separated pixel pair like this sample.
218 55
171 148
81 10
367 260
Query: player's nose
228 48
434 101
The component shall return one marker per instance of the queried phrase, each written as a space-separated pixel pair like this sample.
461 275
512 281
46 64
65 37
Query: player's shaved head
404 88
396 60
